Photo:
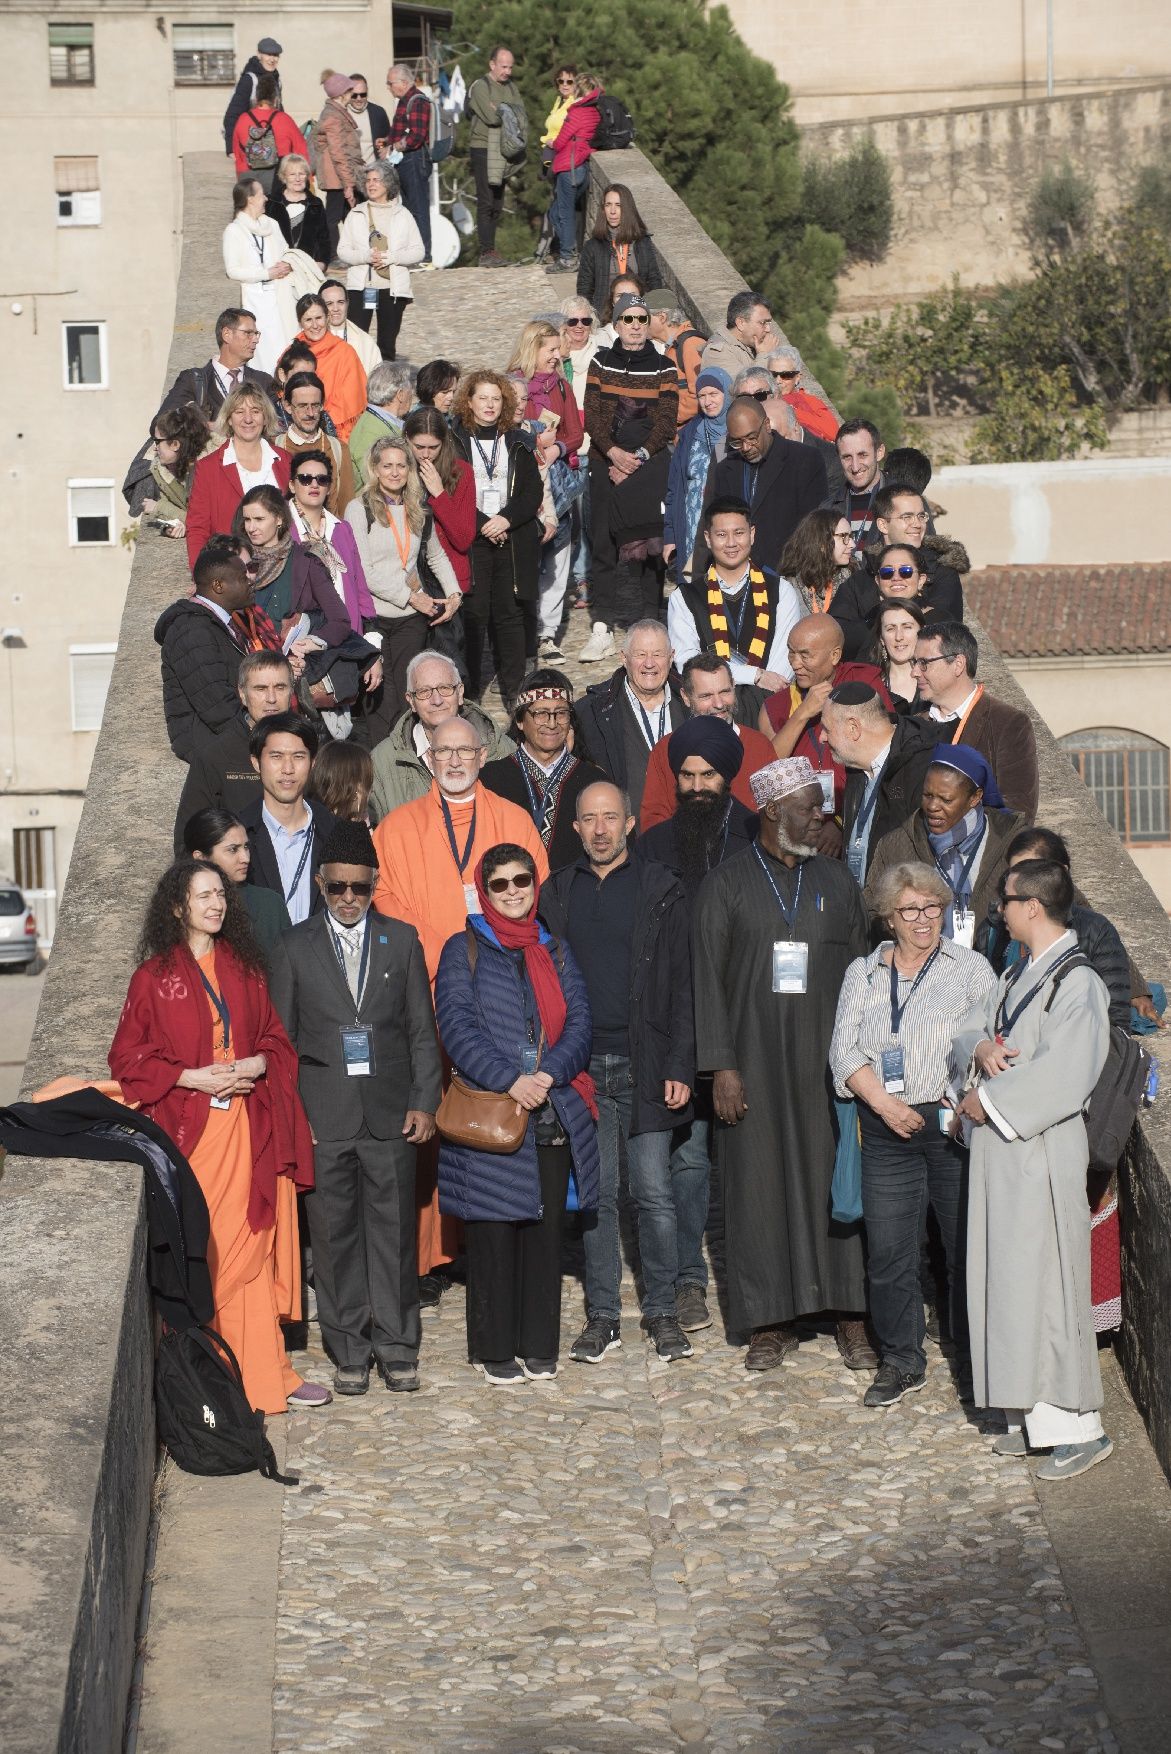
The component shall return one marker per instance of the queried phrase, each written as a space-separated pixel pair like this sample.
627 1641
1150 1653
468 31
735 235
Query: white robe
1032 1328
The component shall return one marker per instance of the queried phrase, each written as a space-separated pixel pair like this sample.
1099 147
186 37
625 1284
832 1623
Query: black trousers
336 208
365 1267
491 610
514 1274
621 592
403 638
489 199
390 312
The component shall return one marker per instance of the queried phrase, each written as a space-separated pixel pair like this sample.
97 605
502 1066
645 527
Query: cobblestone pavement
475 315
643 1557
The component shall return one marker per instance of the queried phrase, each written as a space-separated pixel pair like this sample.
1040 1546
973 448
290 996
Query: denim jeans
414 176
899 1177
691 1166
567 197
649 1172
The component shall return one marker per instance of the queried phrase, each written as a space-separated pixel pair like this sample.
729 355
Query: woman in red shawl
200 1049
514 1016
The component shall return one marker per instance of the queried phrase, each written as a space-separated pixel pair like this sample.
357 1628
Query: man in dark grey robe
1039 1047
776 927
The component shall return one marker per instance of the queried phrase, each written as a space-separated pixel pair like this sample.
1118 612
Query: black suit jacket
199 384
900 786
310 992
221 776
789 483
264 869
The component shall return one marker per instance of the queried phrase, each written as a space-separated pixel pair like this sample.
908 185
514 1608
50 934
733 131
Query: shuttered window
91 513
79 200
90 669
71 54
204 54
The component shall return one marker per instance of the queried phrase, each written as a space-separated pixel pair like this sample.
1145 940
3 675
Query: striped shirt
957 980
620 384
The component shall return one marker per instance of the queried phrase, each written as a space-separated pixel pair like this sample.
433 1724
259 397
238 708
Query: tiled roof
1067 611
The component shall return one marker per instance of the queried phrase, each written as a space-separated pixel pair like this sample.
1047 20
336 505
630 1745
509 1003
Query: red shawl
166 1028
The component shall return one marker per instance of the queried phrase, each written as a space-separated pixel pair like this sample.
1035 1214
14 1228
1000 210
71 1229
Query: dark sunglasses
251 566
522 880
312 480
578 322
896 572
631 318
786 375
360 891
760 395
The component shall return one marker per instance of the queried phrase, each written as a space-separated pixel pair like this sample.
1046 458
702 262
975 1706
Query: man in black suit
781 481
237 338
286 831
352 990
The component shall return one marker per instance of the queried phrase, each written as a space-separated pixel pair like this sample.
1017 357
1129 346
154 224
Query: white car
18 928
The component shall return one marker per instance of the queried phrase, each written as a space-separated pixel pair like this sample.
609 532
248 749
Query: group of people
769 901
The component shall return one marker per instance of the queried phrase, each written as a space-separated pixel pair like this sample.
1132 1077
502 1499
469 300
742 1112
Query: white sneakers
599 645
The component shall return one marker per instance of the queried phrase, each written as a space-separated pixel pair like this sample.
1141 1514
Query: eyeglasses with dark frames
931 910
922 663
312 480
632 317
360 891
896 572
521 880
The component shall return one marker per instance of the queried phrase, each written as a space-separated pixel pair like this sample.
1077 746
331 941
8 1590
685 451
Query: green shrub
851 196
1059 213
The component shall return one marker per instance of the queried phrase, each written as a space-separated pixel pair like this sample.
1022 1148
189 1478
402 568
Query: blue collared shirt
292 852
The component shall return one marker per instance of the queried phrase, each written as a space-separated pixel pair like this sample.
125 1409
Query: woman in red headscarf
514 1018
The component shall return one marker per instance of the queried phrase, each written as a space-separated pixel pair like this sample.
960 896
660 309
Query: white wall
1108 511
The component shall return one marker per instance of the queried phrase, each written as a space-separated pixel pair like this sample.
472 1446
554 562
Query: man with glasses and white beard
435 691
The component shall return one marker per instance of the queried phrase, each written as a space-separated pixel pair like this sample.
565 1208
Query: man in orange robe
428 851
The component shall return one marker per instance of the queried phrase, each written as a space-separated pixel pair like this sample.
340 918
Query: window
33 856
84 356
71 54
204 54
90 668
1130 777
79 200
91 513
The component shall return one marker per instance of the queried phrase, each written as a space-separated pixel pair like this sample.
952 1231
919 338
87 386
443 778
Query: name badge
490 502
358 1052
471 899
893 1074
370 298
221 1102
790 966
528 1058
963 929
946 1117
826 782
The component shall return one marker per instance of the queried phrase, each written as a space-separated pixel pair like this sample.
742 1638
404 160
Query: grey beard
794 847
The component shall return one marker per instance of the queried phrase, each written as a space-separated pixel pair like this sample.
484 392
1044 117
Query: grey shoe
1010 1443
400 1379
352 1380
1069 1459
691 1310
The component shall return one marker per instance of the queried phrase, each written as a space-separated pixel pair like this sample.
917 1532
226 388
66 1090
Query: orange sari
344 377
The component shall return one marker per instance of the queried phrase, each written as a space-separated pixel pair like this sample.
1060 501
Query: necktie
351 951
234 378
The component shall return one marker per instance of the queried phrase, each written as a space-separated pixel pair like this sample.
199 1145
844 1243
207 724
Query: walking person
410 146
552 416
514 1017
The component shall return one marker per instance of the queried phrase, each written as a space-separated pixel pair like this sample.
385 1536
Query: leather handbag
482 1120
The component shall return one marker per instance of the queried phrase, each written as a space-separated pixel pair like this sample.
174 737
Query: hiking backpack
615 125
260 145
203 1413
514 132
1116 1098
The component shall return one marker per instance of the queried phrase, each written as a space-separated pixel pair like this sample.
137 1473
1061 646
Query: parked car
18 928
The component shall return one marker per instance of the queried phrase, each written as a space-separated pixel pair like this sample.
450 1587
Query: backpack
260 145
442 135
203 1413
615 125
514 132
1116 1098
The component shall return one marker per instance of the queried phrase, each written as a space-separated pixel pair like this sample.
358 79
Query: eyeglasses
1005 899
760 395
922 663
631 318
785 377
360 891
578 322
251 566
312 480
437 691
895 572
846 535
738 444
933 910
569 81
456 752
910 517
363 95
557 715
522 880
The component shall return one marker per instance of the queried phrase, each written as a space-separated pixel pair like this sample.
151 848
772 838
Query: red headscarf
542 972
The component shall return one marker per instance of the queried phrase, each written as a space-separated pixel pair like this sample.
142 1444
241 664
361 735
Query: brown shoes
769 1347
854 1346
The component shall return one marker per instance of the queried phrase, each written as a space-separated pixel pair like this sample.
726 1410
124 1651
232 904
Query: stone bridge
629 1558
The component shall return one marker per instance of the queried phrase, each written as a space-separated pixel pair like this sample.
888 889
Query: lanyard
622 255
850 498
958 734
744 596
221 1006
257 244
820 605
461 864
488 462
403 542
300 871
365 958
790 918
897 1010
866 812
1005 1020
648 733
537 804
962 889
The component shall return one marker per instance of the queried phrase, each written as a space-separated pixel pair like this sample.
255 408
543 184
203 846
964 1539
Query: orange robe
419 881
344 377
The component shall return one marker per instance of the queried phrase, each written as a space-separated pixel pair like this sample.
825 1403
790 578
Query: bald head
604 822
748 429
815 649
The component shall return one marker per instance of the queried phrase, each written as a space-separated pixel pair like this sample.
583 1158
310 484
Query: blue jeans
414 175
568 194
649 1171
691 1168
899 1178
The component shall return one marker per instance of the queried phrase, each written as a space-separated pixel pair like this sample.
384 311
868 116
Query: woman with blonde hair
552 416
570 131
410 577
245 457
300 214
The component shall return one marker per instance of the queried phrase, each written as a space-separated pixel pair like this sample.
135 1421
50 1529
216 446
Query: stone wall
961 179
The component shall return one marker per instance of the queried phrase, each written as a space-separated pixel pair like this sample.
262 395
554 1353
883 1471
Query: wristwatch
643 454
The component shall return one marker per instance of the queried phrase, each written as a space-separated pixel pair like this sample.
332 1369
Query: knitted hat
780 778
337 85
269 46
349 843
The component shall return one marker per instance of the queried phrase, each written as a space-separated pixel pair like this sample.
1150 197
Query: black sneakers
891 1384
599 1336
668 1338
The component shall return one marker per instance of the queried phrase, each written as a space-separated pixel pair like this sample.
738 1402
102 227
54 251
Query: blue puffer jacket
482 1024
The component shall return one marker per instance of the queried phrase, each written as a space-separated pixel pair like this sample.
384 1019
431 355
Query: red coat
658 796
778 706
455 522
563 403
166 1028
572 146
216 491
813 415
285 132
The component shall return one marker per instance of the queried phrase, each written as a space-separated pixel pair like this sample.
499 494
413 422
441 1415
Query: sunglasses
251 567
786 377
522 880
895 572
760 395
312 480
633 319
578 322
360 891
359 96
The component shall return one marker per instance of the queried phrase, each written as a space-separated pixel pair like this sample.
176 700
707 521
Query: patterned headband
529 695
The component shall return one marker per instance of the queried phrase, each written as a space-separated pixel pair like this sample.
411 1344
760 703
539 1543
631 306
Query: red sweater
285 132
216 491
455 522
778 706
658 798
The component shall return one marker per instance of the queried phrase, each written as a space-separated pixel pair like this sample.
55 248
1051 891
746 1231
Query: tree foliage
1059 214
852 197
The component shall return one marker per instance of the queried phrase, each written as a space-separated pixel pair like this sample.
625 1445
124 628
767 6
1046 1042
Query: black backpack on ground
615 125
203 1413
1117 1097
